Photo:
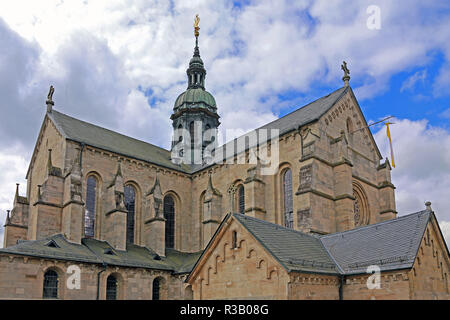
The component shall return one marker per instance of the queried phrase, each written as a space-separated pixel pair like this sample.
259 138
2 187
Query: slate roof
391 245
292 121
295 250
93 135
90 134
306 114
99 252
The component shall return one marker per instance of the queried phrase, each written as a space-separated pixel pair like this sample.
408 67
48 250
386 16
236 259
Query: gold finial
196 27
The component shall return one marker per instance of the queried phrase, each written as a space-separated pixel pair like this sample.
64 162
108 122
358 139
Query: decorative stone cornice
157 218
322 194
331 164
45 203
115 210
81 203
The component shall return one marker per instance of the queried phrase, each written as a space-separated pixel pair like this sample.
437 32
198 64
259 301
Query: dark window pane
169 215
50 284
111 288
130 204
241 195
191 133
156 289
288 201
91 202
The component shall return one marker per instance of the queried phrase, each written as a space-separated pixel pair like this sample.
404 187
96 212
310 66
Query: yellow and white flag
390 142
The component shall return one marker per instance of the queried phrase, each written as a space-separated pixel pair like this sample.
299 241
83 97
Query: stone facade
237 266
22 278
338 183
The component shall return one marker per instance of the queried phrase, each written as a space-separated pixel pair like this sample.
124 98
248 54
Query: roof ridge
375 224
110 130
277 226
323 97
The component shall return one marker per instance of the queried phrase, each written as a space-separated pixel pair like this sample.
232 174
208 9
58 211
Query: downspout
341 287
98 279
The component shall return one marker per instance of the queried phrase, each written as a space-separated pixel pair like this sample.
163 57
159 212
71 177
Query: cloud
409 83
13 167
445 227
445 114
422 173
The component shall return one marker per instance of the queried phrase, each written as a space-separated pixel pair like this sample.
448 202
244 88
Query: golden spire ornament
196 27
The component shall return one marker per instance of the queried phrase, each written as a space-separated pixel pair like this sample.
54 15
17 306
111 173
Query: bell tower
194 119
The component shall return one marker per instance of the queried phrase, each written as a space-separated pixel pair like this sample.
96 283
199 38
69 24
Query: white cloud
409 83
445 114
13 166
422 173
445 227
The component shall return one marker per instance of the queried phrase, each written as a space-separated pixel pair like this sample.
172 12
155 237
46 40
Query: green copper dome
195 96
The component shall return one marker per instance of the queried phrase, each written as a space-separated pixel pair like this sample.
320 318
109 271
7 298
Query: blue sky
122 63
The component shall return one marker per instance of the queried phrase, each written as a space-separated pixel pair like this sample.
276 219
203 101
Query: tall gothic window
91 203
130 204
50 284
287 197
169 215
111 288
241 199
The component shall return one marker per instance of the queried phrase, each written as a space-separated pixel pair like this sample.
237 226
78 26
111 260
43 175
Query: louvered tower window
130 204
288 202
91 203
50 285
169 215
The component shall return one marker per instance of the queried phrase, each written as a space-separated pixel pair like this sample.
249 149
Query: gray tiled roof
306 114
90 134
292 121
93 135
391 245
295 250
96 251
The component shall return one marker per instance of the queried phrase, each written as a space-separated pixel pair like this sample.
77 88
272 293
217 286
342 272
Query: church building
107 216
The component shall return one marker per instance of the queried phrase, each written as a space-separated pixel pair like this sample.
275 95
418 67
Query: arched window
50 284
241 199
91 205
361 214
111 288
130 204
169 215
156 289
287 199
